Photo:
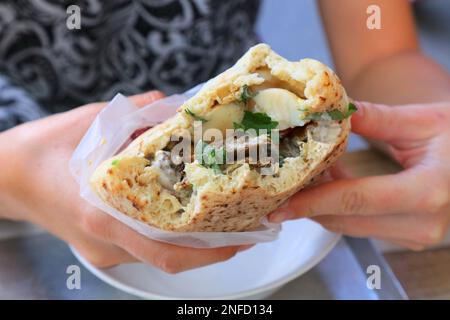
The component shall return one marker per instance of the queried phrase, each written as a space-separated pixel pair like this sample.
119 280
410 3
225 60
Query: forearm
405 77
6 211
10 206
384 65
16 107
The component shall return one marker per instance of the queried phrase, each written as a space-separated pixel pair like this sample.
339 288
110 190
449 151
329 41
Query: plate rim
102 275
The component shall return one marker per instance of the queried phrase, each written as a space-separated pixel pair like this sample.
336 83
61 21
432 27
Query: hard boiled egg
281 105
222 117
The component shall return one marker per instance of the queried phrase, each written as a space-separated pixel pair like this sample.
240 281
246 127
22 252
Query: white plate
252 274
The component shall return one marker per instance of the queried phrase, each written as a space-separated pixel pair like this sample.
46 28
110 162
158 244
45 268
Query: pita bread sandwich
302 103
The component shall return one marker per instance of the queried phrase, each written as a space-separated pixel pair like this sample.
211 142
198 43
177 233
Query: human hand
36 186
410 208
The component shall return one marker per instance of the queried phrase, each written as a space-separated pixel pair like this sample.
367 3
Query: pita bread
236 201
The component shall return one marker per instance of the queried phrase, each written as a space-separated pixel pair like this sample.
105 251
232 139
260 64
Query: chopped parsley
351 108
281 160
246 94
115 162
256 121
333 114
193 115
209 157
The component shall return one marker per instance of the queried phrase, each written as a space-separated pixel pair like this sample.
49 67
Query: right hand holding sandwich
410 208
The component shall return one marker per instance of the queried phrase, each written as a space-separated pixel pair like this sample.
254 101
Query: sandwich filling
270 126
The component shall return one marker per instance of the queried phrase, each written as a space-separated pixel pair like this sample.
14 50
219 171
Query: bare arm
384 66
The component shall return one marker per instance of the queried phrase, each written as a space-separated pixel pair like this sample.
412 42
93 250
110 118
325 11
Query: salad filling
255 116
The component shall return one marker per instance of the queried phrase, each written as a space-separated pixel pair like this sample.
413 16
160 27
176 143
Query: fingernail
281 216
276 218
155 95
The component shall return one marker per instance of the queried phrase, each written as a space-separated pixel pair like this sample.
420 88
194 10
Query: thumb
84 115
143 99
140 100
390 123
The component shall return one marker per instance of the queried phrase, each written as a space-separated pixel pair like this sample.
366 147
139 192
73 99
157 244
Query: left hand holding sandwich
410 208
36 186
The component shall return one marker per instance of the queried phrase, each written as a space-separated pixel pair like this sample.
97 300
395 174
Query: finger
339 171
413 228
83 116
388 123
245 247
171 258
404 244
140 100
322 178
363 196
143 99
102 255
168 257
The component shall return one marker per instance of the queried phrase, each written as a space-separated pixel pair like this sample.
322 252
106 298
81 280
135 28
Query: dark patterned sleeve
16 106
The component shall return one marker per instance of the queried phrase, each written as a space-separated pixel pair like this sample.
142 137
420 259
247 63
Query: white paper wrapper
112 127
